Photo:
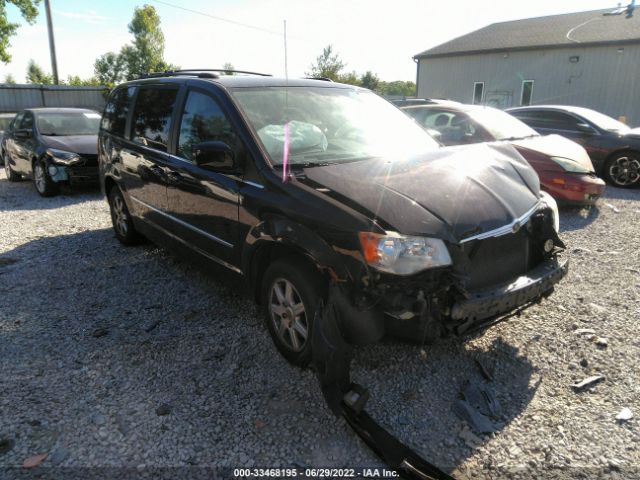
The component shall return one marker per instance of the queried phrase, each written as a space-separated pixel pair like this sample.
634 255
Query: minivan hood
81 144
450 193
557 146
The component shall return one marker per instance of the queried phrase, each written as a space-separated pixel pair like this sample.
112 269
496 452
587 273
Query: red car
564 167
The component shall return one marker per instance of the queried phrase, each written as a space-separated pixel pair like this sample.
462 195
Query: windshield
501 125
329 125
68 123
4 123
601 120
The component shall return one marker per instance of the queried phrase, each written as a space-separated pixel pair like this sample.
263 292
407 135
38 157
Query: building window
478 92
527 92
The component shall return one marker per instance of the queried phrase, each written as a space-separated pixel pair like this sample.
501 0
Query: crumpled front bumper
487 303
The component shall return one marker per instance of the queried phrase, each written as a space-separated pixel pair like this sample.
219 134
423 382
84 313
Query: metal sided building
589 59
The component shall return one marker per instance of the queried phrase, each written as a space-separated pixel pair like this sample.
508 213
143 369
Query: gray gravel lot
130 359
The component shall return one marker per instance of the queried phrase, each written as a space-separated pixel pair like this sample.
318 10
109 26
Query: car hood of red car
557 146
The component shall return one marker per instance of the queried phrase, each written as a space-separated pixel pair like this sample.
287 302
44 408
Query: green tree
228 68
35 74
109 69
9 79
369 80
398 87
328 65
28 10
76 81
350 78
144 55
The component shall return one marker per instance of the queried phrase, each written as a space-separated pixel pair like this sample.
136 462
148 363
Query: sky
367 35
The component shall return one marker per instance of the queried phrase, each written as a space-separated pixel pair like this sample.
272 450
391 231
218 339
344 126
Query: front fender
275 231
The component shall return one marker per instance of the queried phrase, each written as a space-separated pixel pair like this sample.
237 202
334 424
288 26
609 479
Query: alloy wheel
41 181
288 314
120 215
625 171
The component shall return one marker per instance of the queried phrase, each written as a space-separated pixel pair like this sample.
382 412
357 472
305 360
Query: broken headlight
403 255
62 157
548 201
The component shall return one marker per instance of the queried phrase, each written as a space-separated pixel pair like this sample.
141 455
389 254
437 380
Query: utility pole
52 43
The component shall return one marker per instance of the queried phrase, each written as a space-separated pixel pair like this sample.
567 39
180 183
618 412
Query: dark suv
303 184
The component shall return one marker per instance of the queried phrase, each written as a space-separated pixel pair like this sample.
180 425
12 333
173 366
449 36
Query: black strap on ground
332 358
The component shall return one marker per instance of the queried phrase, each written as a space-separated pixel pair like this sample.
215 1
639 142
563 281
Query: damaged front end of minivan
476 244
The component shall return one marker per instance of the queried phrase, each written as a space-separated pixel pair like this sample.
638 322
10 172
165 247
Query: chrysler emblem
515 227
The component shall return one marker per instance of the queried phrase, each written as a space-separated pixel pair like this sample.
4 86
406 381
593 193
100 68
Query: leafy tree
350 78
369 80
9 79
228 68
109 69
398 87
35 74
28 10
328 65
144 55
76 81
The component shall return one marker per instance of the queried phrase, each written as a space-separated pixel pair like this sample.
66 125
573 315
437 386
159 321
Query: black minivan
299 185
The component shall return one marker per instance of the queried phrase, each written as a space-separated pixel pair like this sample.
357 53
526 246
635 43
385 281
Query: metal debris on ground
332 357
624 415
612 207
587 382
584 331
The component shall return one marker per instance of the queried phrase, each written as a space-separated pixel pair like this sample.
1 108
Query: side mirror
23 133
216 156
585 128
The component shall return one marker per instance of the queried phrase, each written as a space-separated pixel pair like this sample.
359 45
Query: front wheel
11 175
45 186
623 170
291 292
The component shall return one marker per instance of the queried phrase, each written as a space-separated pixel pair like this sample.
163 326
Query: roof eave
524 48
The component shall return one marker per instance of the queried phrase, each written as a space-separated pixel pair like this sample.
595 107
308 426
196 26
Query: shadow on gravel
12 196
127 356
615 193
413 393
576 218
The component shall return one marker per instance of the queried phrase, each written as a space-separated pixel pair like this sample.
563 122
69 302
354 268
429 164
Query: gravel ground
130 361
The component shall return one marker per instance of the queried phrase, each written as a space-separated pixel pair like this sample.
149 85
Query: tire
292 329
11 175
121 219
623 170
45 186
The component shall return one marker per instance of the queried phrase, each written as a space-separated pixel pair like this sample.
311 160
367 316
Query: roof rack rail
200 72
324 79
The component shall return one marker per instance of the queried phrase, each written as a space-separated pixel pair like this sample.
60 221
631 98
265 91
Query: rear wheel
623 170
291 292
45 186
121 219
11 175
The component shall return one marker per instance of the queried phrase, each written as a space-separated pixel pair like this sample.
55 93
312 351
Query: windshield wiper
306 164
511 139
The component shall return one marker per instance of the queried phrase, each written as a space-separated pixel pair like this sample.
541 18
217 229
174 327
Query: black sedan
52 146
614 148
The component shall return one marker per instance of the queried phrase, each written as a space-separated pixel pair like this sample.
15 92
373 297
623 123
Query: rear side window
548 119
152 116
114 119
203 120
